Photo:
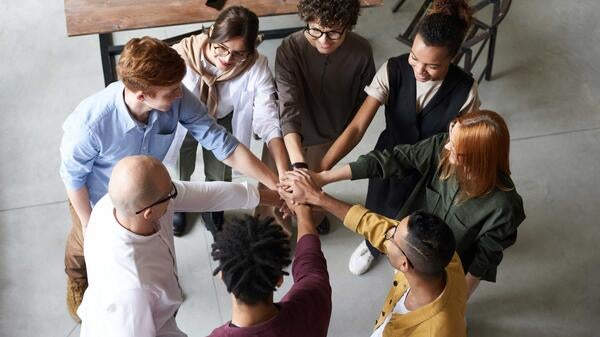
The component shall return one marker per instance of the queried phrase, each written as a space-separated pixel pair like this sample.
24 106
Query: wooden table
104 17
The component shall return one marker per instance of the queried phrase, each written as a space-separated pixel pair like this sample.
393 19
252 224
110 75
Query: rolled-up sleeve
289 91
371 225
213 137
265 123
78 152
497 234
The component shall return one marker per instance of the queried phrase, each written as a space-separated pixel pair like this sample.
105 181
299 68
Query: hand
298 187
285 209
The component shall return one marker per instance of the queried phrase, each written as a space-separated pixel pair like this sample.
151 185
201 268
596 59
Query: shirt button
395 283
382 313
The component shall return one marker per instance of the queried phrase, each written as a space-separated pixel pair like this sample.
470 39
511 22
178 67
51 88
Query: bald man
133 287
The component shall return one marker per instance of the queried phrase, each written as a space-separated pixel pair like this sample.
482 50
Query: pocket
160 144
433 200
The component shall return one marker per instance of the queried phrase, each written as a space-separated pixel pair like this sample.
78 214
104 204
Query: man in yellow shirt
429 292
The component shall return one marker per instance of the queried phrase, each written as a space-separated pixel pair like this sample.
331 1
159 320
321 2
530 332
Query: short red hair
147 63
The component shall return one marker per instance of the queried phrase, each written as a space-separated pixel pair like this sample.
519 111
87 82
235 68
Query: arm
278 152
352 134
306 224
293 143
78 155
290 100
472 283
244 161
81 203
266 122
200 196
498 232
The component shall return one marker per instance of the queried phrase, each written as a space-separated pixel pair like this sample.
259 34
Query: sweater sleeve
288 89
497 233
396 163
311 292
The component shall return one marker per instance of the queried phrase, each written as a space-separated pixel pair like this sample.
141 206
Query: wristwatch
300 165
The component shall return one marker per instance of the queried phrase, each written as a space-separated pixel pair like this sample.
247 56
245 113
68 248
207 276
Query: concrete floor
546 84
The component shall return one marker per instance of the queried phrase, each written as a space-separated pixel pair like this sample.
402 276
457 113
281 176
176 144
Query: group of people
440 203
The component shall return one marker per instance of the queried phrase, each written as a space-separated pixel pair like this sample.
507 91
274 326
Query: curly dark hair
434 241
446 24
330 13
252 254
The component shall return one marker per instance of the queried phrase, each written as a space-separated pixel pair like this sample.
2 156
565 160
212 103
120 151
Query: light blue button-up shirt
100 132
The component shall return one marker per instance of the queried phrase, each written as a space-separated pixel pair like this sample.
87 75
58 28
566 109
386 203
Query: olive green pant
214 169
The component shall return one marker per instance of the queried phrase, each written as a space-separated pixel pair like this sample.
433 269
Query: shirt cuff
275 133
375 94
485 272
227 149
290 128
359 169
354 216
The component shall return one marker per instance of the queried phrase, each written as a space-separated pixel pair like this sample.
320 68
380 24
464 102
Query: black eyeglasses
389 235
317 33
222 51
171 195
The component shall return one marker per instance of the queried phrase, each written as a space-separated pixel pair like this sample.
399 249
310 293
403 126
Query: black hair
431 243
330 13
252 254
446 24
233 22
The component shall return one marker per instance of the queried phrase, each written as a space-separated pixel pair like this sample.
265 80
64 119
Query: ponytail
446 24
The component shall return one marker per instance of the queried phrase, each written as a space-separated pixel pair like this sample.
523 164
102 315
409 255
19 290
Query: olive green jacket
483 227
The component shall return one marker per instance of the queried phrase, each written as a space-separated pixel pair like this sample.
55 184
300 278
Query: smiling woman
226 72
422 92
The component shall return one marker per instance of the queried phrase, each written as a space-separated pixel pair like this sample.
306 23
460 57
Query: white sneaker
361 259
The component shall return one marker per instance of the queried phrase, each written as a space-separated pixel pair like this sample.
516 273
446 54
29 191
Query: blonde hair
482 146
147 63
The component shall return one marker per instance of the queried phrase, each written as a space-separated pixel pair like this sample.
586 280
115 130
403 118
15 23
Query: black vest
405 126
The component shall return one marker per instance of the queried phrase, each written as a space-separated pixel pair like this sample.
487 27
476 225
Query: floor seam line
34 205
555 134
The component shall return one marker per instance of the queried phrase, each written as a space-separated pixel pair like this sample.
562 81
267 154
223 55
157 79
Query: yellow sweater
444 317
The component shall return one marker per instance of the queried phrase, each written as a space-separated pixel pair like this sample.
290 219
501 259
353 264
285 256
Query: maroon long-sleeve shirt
306 309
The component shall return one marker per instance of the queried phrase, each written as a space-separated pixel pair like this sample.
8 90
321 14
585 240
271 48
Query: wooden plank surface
106 16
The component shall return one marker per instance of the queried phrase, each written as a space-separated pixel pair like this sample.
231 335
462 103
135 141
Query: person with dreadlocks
252 254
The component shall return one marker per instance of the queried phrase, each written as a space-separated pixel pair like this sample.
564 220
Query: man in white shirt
133 287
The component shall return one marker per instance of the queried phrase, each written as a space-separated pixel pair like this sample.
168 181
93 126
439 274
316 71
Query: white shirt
380 89
400 309
251 96
133 283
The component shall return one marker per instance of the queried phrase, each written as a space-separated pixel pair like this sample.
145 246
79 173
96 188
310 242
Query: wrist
317 198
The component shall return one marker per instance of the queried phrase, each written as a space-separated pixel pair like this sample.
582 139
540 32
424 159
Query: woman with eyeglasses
422 92
464 180
321 73
233 79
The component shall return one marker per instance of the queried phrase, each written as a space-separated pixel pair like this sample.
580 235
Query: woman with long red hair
464 180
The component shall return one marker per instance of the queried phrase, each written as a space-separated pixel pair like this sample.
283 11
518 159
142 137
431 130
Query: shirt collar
122 109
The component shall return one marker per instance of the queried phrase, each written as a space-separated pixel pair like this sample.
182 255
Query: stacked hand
300 186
